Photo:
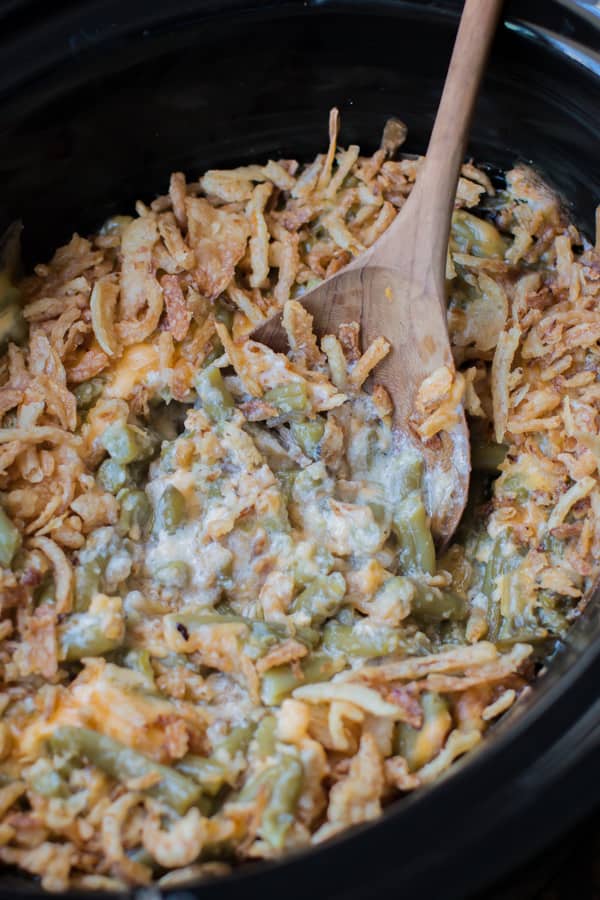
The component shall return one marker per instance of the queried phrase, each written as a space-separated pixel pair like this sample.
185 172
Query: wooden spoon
396 288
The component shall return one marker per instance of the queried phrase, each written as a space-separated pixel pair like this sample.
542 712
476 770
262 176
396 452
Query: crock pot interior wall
111 121
109 124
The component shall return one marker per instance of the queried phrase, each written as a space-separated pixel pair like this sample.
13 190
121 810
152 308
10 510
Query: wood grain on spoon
396 288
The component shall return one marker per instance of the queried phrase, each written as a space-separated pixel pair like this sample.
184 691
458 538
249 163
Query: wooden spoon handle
425 218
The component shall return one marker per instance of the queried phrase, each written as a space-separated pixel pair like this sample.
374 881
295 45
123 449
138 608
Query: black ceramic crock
101 100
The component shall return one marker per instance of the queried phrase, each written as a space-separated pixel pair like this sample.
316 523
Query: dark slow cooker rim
561 715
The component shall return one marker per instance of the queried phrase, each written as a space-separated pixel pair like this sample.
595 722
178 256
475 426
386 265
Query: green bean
112 476
84 634
88 392
380 512
308 434
135 515
279 814
124 764
419 745
171 509
237 741
411 527
168 457
493 570
284 783
264 635
128 443
207 772
10 540
87 582
49 783
139 661
515 486
211 772
174 574
437 605
476 236
279 682
217 401
397 593
322 598
265 737
405 471
306 568
350 641
289 398
256 637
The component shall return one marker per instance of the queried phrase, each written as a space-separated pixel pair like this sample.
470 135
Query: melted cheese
138 363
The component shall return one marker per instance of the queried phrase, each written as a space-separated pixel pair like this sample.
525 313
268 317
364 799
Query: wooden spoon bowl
396 288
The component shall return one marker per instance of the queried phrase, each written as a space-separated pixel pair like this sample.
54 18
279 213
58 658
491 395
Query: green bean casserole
226 632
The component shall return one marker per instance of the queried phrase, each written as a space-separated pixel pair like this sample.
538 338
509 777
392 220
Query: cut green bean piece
493 570
434 604
419 745
49 783
10 540
84 634
174 574
128 443
88 392
349 640
279 682
289 398
514 486
279 814
112 476
139 661
308 434
171 509
87 582
211 772
237 741
260 637
217 401
405 471
264 635
283 782
135 516
124 764
207 772
476 236
411 527
265 737
322 598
